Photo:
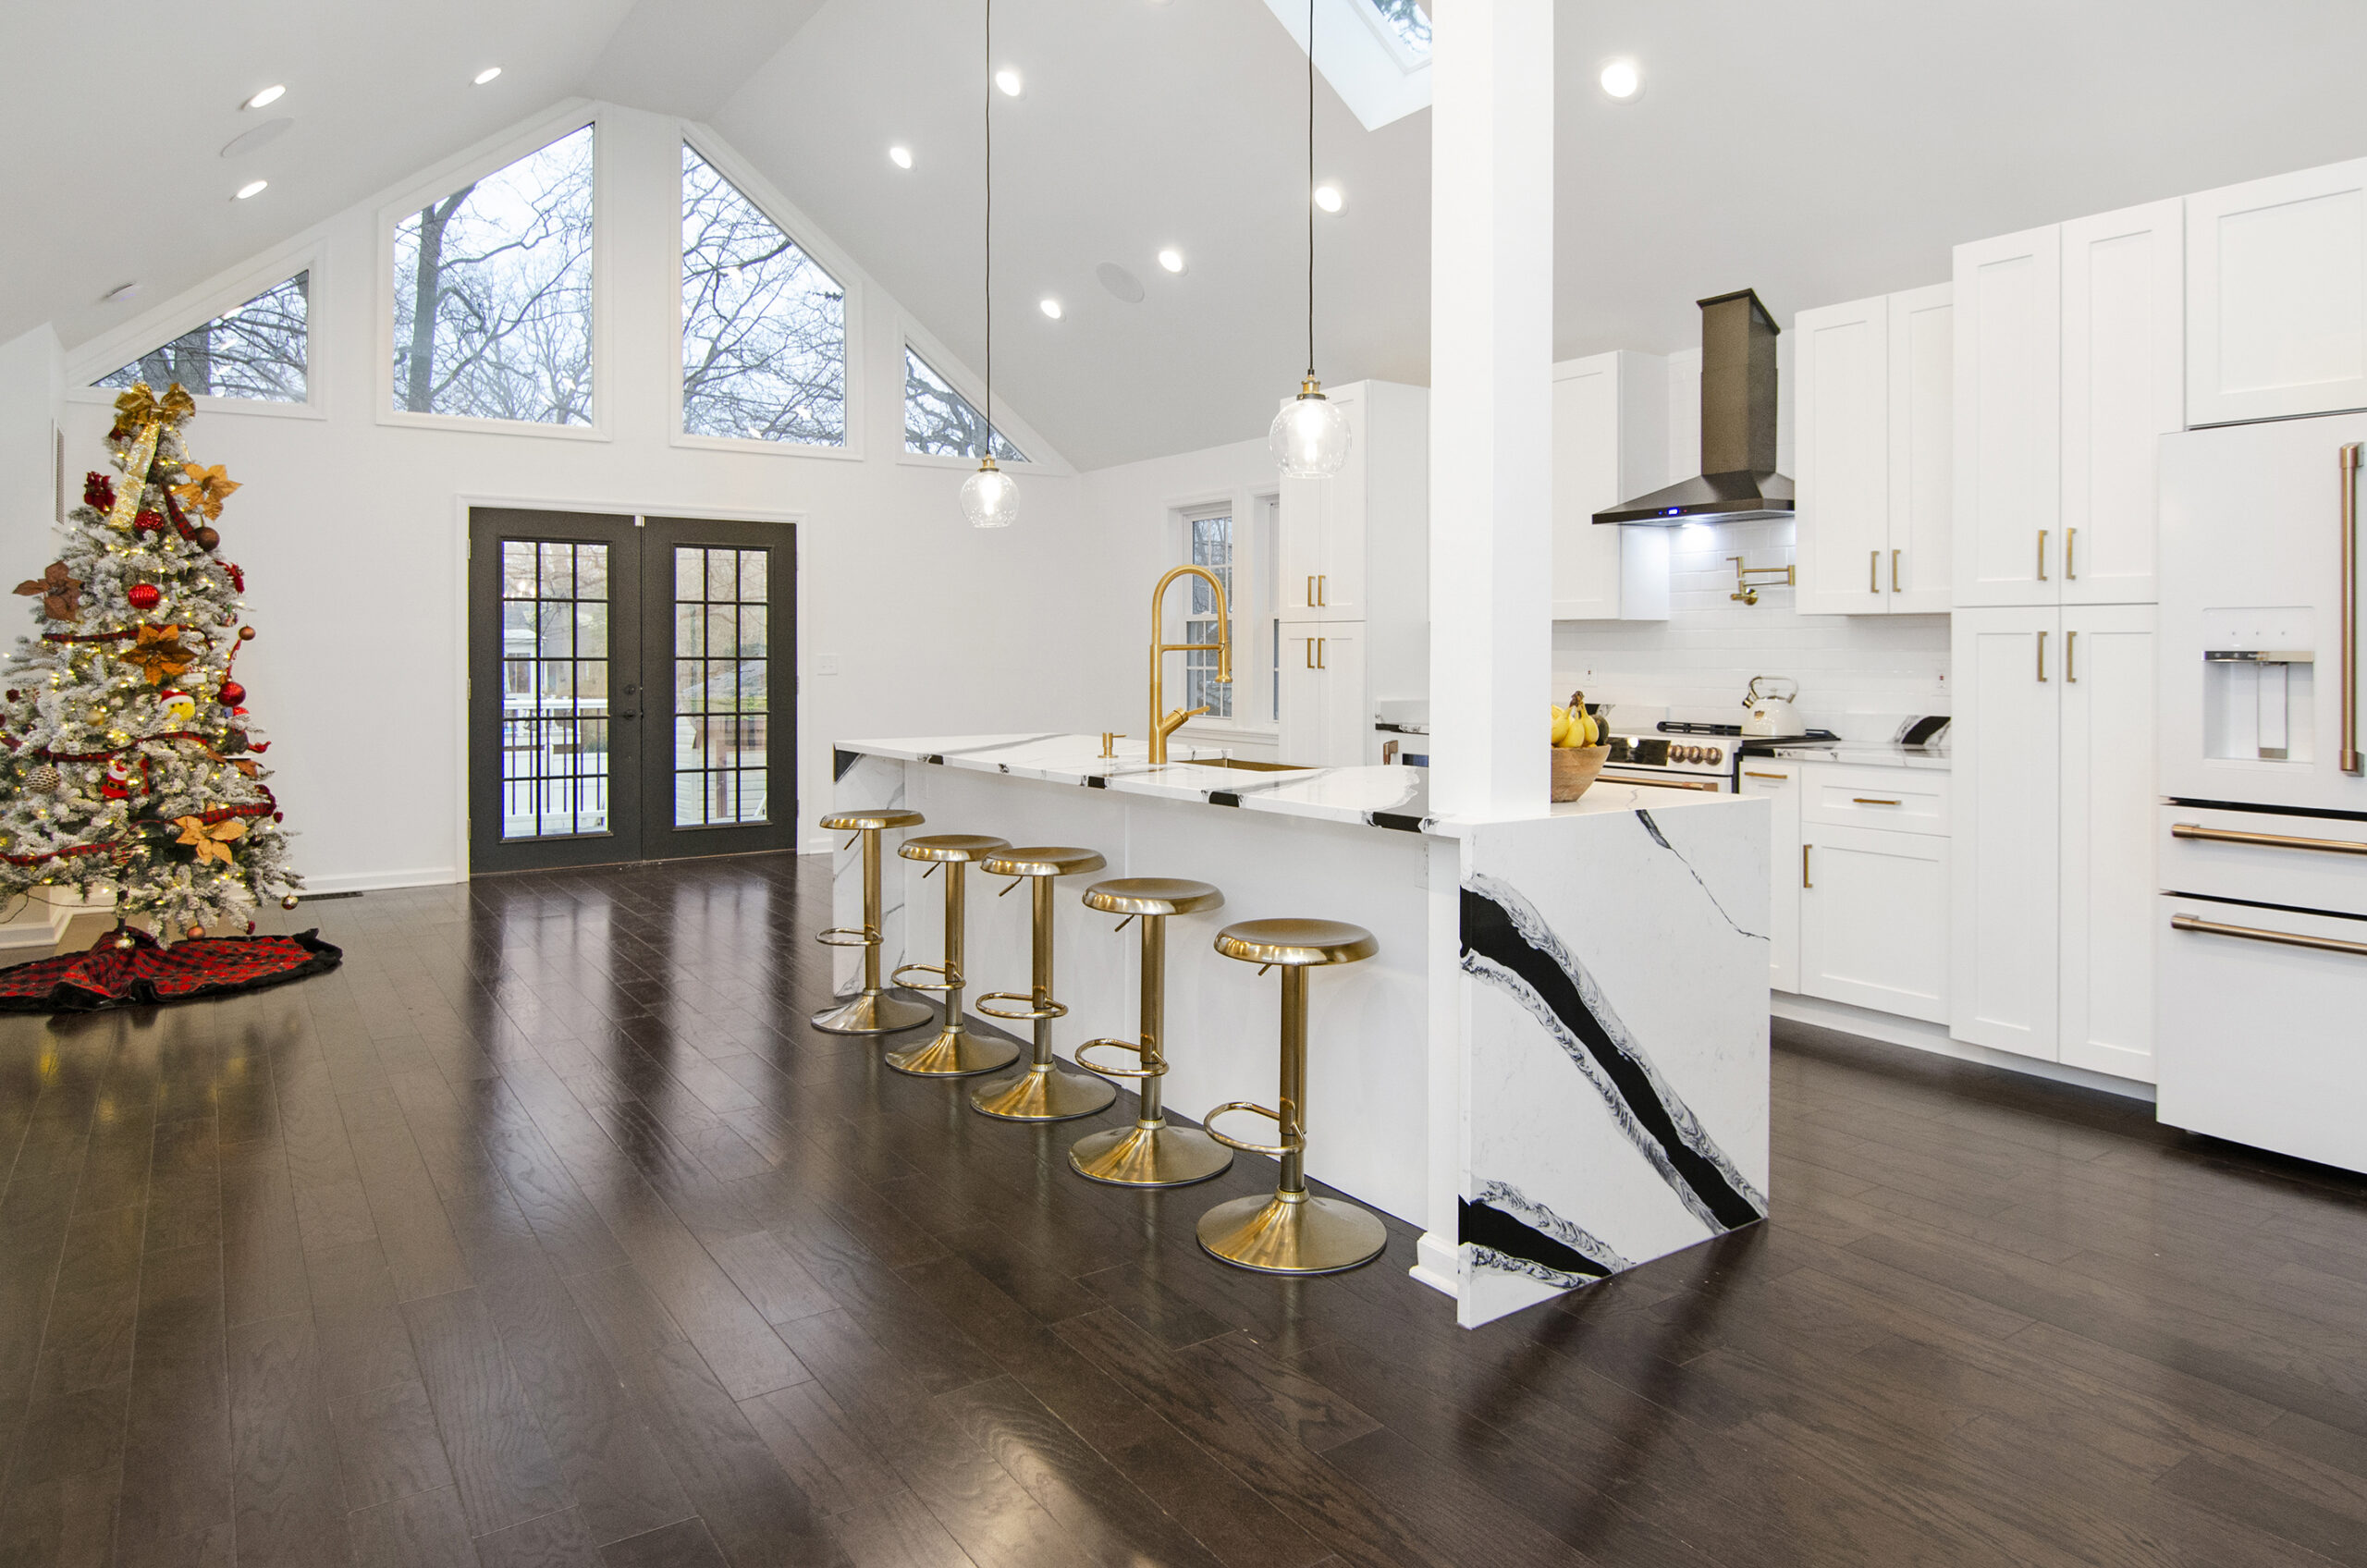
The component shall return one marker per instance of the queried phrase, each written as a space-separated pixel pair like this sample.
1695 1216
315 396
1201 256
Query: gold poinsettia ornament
159 652
206 490
210 842
141 407
60 591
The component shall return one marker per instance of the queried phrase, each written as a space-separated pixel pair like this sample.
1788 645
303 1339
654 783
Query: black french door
632 688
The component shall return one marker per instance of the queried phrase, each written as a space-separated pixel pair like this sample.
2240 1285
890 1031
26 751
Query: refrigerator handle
2351 759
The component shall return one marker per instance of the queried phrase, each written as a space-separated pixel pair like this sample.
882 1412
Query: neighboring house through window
257 351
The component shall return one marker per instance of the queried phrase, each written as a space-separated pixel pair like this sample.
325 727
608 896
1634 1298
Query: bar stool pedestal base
1292 1233
1155 1155
874 1012
954 1053
1042 1094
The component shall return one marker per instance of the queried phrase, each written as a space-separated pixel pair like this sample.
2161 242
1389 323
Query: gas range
1693 757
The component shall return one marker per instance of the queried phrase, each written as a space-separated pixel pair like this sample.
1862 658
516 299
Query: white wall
1697 662
352 530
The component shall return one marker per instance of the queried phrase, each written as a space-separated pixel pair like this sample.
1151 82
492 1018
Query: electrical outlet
826 664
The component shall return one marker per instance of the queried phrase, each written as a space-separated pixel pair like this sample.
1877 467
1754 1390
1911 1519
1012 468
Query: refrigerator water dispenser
2259 684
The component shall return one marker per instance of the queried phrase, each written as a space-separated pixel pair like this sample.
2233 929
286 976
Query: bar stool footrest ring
1135 1046
848 937
1277 1151
1033 1012
952 981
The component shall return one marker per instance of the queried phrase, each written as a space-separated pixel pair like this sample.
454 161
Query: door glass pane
722 656
554 689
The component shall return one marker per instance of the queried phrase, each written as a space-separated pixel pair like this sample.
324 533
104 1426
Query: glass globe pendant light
990 498
1310 436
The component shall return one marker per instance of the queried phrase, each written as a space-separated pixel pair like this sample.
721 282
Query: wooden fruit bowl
1575 768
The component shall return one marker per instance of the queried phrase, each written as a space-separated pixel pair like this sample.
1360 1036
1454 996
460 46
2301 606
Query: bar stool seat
870 1011
954 1051
1151 1153
1042 1092
1293 1232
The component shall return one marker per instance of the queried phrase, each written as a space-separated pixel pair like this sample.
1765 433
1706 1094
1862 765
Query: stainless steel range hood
1738 482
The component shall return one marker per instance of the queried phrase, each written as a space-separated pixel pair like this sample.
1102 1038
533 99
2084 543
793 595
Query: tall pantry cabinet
2069 350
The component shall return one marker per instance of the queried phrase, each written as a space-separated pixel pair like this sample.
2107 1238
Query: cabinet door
2005 787
1610 427
1843 458
2124 387
2277 296
1340 673
1779 783
1299 718
1923 450
2008 419
1874 919
1322 547
2108 883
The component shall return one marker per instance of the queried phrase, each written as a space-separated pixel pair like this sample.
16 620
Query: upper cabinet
2277 301
2068 344
1610 442
1874 447
1357 545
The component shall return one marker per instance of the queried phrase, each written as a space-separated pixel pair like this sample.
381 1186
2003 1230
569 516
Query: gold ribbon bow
141 407
206 490
211 843
160 651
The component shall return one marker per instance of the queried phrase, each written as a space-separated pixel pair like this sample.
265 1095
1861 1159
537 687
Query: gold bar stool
955 1052
1042 1093
870 1011
1294 1231
1151 1153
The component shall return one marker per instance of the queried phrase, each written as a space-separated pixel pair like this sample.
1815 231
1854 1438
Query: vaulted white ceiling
1817 150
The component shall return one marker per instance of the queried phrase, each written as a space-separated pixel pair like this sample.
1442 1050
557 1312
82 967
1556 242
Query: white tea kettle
1773 716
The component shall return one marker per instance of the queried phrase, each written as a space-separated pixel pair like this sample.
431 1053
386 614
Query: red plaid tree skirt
148 972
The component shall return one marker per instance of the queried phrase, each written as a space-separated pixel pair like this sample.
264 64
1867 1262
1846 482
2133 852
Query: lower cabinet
1779 784
1860 912
1326 716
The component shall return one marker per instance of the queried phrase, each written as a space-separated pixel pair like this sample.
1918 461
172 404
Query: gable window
941 421
764 328
493 294
256 351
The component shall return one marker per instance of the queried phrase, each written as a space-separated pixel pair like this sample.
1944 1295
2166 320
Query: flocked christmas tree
131 763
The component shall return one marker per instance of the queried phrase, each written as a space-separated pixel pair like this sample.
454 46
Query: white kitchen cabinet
2008 330
1779 784
1609 443
2277 296
1874 919
2108 838
1326 718
1923 450
1352 544
2124 387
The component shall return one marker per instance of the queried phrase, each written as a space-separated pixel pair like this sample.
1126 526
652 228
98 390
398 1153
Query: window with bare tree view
493 294
940 420
255 352
764 328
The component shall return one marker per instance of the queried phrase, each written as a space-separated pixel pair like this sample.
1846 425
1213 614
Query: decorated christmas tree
132 765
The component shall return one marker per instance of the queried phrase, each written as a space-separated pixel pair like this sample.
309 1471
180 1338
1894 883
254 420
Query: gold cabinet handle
1323 591
1778 777
1804 865
1871 801
2042 554
2257 934
2041 655
2070 554
1873 572
1310 591
1319 652
2070 659
1310 653
2350 760
2265 840
1894 571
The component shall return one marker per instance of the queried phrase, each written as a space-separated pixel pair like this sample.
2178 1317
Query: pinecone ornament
44 780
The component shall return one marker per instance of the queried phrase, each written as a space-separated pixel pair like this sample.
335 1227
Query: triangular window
493 294
256 351
940 420
764 328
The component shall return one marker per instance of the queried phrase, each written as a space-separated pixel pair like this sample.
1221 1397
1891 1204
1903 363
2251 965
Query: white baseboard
383 881
1434 1263
1890 1029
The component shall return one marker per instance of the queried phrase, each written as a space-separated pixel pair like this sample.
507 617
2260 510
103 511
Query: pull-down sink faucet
1164 724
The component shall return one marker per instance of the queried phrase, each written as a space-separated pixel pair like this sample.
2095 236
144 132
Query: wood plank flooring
546 1233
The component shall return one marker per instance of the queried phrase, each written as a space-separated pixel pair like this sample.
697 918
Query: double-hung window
1209 539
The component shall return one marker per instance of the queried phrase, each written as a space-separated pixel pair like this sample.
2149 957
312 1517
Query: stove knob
1717 755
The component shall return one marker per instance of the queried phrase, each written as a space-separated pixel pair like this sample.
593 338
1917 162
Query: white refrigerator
2263 917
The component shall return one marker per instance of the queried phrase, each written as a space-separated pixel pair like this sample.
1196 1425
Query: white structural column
1492 400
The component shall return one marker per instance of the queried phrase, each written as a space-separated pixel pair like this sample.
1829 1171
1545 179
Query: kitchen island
1556 1065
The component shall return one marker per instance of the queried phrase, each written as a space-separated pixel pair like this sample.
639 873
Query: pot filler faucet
1164 724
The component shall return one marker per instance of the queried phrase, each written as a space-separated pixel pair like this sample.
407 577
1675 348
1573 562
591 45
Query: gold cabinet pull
1319 652
2041 655
2042 554
1894 571
1873 572
1779 777
2265 840
1872 801
2350 760
1323 591
2258 934
2070 554
1804 865
1310 653
1310 591
2071 658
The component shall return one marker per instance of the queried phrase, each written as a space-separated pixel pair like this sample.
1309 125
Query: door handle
2070 655
1894 571
2267 840
2258 934
2070 554
2350 760
2042 554
1873 572
2041 655
1804 865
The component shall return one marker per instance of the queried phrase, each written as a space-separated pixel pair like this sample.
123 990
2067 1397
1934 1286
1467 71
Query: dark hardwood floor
546 1233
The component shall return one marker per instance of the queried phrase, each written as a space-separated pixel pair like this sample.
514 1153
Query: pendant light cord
990 90
1310 188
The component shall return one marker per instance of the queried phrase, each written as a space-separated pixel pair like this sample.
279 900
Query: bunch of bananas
1573 725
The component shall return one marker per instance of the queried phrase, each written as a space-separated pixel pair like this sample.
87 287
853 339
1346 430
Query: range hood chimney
1738 482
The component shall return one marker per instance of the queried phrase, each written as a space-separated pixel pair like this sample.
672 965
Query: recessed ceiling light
119 293
1328 197
253 188
1049 306
1622 79
1008 79
901 155
485 75
268 96
1172 259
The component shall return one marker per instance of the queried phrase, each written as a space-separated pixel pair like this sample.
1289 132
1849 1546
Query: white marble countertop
1869 754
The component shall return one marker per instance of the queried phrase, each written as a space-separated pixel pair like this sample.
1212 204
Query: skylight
1376 53
1408 22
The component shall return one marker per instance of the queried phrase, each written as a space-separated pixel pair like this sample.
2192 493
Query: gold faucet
1164 724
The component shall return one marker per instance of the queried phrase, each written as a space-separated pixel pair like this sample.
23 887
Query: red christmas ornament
148 522
144 595
231 694
98 491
